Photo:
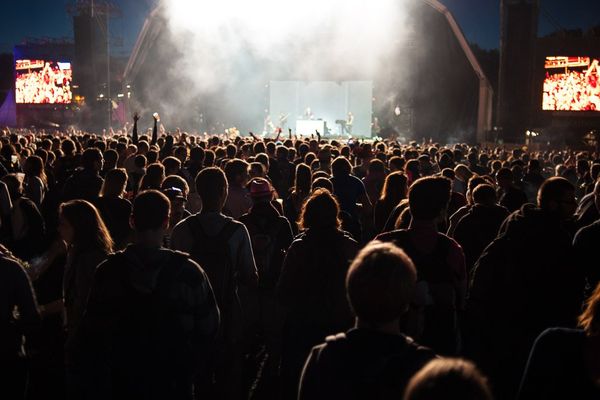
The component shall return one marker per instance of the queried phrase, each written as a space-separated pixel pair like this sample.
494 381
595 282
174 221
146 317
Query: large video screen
43 82
571 84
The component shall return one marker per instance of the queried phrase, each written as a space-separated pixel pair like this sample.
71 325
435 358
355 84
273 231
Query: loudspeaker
519 21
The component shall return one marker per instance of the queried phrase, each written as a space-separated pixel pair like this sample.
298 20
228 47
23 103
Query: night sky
479 19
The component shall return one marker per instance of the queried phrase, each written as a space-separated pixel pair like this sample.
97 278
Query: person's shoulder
184 224
124 202
422 354
558 338
391 236
233 224
191 272
588 232
450 241
12 266
113 264
283 221
355 180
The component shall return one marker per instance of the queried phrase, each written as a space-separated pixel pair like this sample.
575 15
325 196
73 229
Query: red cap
260 187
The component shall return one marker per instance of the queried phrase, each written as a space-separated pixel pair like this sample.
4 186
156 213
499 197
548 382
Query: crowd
169 265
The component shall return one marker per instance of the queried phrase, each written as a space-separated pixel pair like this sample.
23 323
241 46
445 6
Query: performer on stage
283 118
269 126
347 127
375 127
308 114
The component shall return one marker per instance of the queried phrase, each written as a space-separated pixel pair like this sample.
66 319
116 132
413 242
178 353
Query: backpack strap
223 236
227 231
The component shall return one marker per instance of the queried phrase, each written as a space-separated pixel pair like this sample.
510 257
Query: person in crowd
448 379
300 191
17 294
474 165
88 244
196 161
137 172
461 180
375 179
565 363
374 359
393 192
271 236
25 224
223 249
511 196
151 318
176 190
86 182
533 179
5 209
114 208
9 159
525 281
350 191
285 173
585 245
457 200
474 181
479 227
111 158
172 166
238 200
440 263
311 285
587 212
154 177
412 170
35 183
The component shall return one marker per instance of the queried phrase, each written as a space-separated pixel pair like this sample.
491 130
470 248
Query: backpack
212 253
432 317
267 256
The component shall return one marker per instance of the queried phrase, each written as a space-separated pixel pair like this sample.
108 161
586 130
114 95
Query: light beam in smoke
234 47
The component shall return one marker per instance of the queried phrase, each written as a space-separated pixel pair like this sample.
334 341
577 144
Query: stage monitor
43 82
571 84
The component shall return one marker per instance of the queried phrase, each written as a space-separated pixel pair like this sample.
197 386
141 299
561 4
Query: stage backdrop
328 101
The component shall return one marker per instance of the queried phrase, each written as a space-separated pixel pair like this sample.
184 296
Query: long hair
114 183
303 180
90 232
589 320
320 211
394 188
34 166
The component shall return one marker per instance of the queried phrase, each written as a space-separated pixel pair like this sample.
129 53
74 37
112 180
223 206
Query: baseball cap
260 187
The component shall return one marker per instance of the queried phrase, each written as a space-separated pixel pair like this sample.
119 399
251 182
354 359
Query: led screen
43 82
571 84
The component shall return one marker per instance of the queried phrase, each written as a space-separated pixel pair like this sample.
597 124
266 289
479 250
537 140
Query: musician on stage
308 114
283 118
347 127
269 126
